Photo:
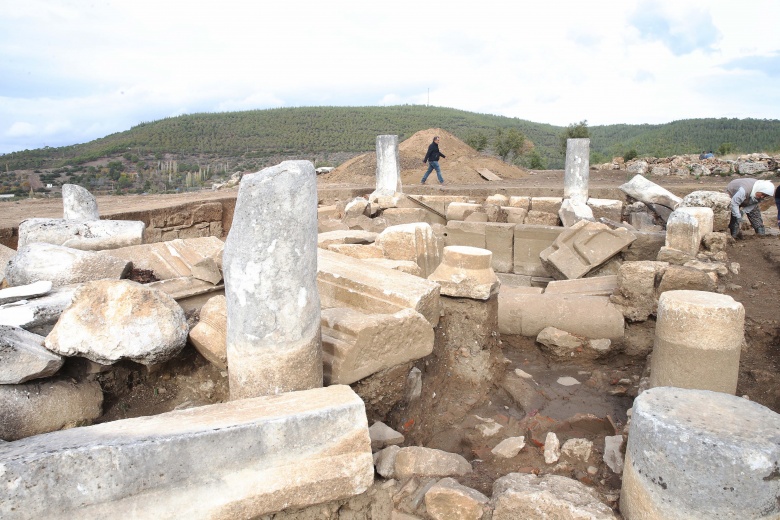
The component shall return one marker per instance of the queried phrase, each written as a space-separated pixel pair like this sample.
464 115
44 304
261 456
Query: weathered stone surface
497 200
361 252
273 304
509 447
528 243
751 167
700 454
613 456
524 392
638 167
413 242
208 271
40 407
209 336
241 459
645 247
384 461
112 320
572 212
398 216
704 216
698 340
388 165
427 462
552 448
682 232
470 234
595 286
383 436
347 282
189 292
466 272
62 265
676 277
40 314
24 292
525 313
23 357
577 170
542 218
715 242
577 449
673 256
582 248
499 240
78 203
356 345
477 217
520 495
546 204
461 210
87 235
515 215
448 500
359 206
718 201
351 236
606 208
405 266
559 343
652 194
636 294
172 259
520 201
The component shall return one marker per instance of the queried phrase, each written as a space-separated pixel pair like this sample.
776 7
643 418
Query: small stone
382 436
552 450
577 449
613 457
384 460
447 500
567 381
509 447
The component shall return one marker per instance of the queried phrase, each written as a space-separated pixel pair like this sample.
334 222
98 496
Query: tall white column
388 165
577 173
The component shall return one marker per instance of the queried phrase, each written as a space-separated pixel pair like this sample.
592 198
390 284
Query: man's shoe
760 231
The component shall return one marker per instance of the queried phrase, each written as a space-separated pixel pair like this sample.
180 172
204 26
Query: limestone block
715 242
351 236
520 311
355 208
359 251
360 285
613 456
638 167
660 170
509 447
397 216
172 259
384 461
499 240
677 277
44 406
752 167
328 212
529 241
572 212
582 248
636 294
470 234
683 232
209 335
388 164
698 340
661 200
477 217
674 256
644 221
23 357
700 454
645 247
552 448
704 216
466 272
24 292
62 265
40 314
524 392
461 210
427 462
110 320
78 203
546 204
328 225
542 218
577 449
413 242
520 495
383 436
595 286
356 345
522 202
439 203
87 235
606 208
514 280
208 271
515 215
447 500
405 266
718 201
189 292
241 459
559 343
493 212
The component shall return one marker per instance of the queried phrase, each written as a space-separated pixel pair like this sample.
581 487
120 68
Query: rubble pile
692 164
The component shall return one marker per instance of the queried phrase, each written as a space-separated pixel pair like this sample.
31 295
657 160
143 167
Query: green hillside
318 131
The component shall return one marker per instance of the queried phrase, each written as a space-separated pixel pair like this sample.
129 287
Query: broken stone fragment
572 212
382 436
112 320
652 194
613 456
578 449
6 254
78 203
448 499
23 292
62 266
207 270
38 315
350 236
552 448
87 235
718 201
46 406
23 357
682 232
208 336
559 342
428 462
509 447
384 461
413 242
466 272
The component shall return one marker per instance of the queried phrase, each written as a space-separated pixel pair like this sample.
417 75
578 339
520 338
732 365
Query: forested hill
310 131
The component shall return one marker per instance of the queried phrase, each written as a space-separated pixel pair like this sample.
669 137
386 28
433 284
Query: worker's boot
760 231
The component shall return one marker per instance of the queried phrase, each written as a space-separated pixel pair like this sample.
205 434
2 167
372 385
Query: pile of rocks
685 165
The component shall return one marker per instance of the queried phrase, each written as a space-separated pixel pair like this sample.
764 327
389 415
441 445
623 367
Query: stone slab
488 175
87 235
595 286
470 234
529 241
172 259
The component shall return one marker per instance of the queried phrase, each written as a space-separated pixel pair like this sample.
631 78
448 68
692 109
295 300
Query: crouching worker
745 195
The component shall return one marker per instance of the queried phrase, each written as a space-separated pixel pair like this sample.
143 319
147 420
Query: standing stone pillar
577 173
270 266
698 339
78 203
388 165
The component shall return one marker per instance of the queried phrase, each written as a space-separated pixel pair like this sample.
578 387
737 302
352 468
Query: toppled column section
270 267
87 235
583 247
699 454
62 265
388 165
660 200
344 281
698 339
78 203
577 172
240 459
466 272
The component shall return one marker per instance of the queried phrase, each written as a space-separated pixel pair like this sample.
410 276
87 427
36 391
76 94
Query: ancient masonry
373 351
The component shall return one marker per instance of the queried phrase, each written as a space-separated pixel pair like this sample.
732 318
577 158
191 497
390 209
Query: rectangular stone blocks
240 459
499 240
583 247
460 233
528 243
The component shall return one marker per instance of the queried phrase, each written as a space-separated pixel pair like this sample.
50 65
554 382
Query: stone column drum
78 203
466 272
700 454
388 165
577 173
270 266
698 338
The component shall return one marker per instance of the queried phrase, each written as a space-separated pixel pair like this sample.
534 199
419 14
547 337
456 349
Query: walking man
432 158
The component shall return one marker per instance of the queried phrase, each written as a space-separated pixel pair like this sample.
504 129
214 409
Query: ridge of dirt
458 167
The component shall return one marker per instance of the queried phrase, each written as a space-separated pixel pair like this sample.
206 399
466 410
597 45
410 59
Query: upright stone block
273 305
682 232
465 272
388 165
414 242
704 216
241 459
700 454
461 210
499 240
87 235
78 203
470 234
577 170
528 243
698 339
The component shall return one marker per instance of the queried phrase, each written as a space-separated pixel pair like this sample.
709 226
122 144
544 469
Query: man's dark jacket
433 153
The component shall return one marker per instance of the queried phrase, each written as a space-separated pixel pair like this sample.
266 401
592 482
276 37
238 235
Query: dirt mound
459 167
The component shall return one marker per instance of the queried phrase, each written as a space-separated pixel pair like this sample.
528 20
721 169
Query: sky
75 70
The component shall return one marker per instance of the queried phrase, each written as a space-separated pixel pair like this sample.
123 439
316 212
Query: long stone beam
237 460
87 235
